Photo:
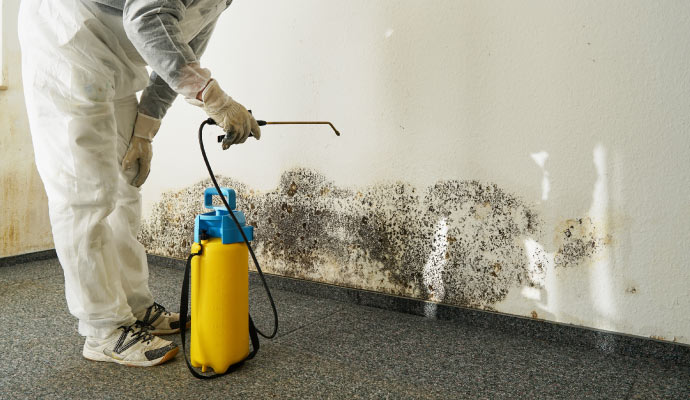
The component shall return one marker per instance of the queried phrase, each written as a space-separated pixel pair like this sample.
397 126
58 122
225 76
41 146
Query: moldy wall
525 157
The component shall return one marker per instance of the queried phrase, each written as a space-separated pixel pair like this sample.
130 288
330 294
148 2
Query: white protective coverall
83 64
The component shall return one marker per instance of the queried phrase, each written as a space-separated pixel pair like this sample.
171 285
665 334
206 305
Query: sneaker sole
96 356
160 332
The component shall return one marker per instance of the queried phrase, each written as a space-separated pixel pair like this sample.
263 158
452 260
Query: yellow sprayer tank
219 288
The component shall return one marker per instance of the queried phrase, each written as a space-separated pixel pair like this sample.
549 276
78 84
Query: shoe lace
140 332
137 332
153 313
159 308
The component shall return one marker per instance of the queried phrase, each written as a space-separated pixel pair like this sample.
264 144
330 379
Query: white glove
228 114
139 153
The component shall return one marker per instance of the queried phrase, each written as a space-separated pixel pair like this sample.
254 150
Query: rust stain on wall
459 242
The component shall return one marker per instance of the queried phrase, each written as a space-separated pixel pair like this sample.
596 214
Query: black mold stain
487 227
459 242
579 240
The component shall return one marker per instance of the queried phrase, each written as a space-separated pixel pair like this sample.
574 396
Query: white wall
578 109
24 225
568 114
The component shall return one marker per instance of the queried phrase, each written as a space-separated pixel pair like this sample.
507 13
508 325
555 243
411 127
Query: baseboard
28 257
605 341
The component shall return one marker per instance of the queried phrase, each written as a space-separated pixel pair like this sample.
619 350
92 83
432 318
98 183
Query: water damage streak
459 242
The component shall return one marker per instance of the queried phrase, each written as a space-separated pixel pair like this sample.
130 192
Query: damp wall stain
456 242
24 222
24 226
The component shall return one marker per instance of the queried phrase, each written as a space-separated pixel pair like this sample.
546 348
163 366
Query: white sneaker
130 345
162 322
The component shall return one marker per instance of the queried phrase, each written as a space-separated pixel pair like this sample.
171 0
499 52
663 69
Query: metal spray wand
262 123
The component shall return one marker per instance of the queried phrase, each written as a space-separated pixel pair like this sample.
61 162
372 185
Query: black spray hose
246 241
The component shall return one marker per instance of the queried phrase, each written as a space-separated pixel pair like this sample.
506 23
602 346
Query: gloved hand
230 115
139 153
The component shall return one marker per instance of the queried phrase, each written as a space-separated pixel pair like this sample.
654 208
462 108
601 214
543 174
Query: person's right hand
230 115
139 152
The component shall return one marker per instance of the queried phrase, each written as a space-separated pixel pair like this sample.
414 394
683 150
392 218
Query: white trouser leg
73 70
126 218
75 156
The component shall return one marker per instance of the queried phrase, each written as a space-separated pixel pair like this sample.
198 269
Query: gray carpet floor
325 349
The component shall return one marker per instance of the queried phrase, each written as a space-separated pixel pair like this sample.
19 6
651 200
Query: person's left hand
140 151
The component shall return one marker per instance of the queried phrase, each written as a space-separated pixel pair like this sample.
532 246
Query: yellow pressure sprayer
221 328
220 287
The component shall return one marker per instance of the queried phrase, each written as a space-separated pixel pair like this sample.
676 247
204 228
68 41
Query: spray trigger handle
259 122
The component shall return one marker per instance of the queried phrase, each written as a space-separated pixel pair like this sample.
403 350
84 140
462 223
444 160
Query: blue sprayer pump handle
229 195
218 224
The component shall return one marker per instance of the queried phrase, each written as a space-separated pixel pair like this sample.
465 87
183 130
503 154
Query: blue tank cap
218 223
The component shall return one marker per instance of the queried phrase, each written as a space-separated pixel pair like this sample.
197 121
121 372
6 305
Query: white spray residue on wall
433 269
540 158
601 276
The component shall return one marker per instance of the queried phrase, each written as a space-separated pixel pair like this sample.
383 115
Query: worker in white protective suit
83 63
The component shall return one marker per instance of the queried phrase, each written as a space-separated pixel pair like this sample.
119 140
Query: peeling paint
662 338
457 242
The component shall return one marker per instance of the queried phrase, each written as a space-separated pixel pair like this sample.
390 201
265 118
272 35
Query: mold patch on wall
577 239
457 242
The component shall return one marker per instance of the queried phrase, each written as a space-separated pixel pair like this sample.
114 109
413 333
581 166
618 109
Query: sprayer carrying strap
184 300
